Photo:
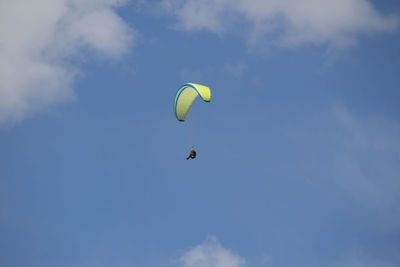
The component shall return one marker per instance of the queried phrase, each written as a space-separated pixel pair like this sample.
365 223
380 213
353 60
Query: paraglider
184 99
192 154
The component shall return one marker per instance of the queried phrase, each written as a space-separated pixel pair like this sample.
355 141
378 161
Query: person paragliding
184 99
192 154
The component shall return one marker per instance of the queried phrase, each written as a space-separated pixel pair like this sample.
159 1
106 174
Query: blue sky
298 151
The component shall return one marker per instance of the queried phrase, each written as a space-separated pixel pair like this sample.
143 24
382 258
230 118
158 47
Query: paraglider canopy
185 97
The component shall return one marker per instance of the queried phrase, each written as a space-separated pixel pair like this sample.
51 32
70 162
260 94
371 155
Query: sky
298 152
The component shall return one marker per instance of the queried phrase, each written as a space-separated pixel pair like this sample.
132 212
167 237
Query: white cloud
210 254
287 22
38 38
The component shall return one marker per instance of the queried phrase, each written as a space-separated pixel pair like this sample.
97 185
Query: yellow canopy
185 97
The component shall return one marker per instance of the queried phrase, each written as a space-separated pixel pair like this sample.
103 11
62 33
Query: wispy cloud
368 162
356 257
210 254
187 75
359 155
235 69
285 22
362 263
37 41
